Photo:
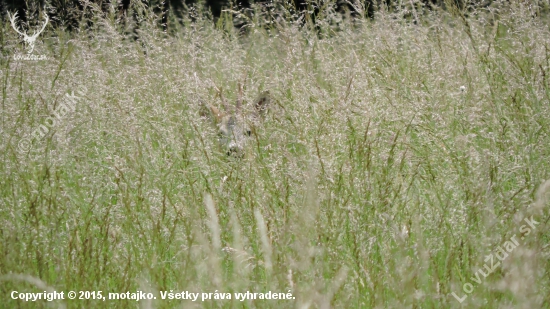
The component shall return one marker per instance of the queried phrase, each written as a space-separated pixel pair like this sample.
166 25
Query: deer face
233 126
233 134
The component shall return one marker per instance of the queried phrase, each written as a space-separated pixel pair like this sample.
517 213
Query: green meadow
404 162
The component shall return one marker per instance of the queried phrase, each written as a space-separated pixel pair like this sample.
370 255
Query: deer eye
248 133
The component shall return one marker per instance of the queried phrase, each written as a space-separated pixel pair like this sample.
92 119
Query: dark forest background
68 13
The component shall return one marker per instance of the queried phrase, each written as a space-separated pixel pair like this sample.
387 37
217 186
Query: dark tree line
69 13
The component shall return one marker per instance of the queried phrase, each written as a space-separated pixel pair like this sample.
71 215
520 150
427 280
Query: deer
234 127
29 40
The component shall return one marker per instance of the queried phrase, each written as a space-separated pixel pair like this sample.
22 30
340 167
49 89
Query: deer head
233 125
29 40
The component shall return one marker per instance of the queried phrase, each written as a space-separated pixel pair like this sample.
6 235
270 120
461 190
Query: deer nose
234 150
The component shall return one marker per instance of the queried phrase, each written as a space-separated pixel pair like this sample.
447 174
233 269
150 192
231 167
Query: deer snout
234 150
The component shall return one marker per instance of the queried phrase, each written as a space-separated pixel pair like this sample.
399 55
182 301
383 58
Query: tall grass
398 153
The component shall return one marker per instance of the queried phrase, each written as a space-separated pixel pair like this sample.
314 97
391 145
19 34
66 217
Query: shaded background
69 12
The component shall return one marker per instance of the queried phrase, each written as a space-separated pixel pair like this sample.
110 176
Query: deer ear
239 99
210 111
215 112
262 103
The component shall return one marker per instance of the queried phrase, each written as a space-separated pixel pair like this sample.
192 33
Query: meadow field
404 162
